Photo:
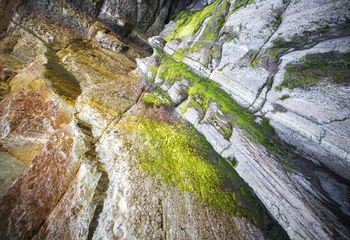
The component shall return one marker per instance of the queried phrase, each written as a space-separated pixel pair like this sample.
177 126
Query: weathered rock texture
272 59
121 16
237 127
69 163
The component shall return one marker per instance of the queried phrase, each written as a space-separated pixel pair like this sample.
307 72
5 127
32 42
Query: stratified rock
157 43
249 60
90 184
141 206
49 177
253 94
314 119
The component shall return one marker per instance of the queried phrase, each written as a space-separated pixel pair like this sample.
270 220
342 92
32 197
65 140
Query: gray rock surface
69 92
258 43
68 167
314 119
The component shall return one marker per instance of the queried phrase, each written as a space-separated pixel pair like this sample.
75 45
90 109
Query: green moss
330 67
242 3
153 70
213 27
277 21
191 103
170 158
227 132
217 12
281 45
156 99
179 54
180 156
274 52
279 88
256 61
244 190
202 91
187 23
284 97
168 71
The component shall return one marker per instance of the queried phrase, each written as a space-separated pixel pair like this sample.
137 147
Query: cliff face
235 128
121 16
266 82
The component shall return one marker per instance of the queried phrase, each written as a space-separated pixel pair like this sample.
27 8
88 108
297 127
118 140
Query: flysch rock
300 24
66 173
247 83
295 208
139 205
314 119
306 23
68 85
178 92
74 211
293 191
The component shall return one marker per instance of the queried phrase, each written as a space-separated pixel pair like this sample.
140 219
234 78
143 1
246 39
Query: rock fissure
279 15
115 120
337 120
269 82
100 192
58 202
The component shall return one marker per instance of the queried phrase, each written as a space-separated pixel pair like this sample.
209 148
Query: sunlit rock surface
63 138
235 128
251 52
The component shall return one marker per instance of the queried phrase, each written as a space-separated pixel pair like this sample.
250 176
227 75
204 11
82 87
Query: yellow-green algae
187 23
217 14
212 29
203 91
156 98
180 156
242 3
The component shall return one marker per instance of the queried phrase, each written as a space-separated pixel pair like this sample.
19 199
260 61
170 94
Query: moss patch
209 35
187 23
202 91
242 3
285 96
213 27
180 156
156 98
316 68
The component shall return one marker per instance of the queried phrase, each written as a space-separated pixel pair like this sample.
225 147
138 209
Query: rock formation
236 127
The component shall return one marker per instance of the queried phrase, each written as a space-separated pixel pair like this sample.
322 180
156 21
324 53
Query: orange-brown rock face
27 122
33 196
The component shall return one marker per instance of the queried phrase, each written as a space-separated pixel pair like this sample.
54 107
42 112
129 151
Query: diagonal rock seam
102 184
